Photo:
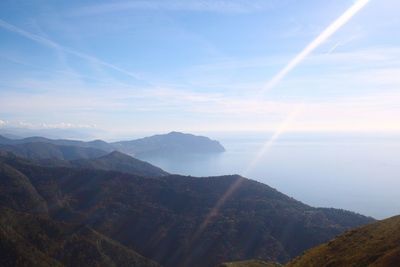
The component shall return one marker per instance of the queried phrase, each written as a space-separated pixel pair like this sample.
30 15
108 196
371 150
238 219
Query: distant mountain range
42 150
163 144
96 144
111 209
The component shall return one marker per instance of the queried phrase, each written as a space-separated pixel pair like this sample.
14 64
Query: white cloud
43 125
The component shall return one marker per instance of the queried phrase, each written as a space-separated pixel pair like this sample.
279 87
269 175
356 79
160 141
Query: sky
120 67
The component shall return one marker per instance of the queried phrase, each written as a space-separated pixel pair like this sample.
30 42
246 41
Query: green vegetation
37 240
375 245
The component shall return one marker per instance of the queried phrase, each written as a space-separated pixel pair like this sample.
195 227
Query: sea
359 172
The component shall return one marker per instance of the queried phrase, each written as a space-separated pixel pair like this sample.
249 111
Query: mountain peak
117 154
175 133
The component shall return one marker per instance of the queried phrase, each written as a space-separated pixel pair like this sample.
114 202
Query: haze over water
358 172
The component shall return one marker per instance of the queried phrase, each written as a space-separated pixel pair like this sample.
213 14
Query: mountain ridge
41 150
180 220
161 144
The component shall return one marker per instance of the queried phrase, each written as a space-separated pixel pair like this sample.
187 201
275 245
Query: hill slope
375 245
32 240
186 221
96 144
40 150
81 157
117 161
250 263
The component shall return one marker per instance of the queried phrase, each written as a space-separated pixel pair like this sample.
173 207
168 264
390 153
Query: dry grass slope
250 263
374 245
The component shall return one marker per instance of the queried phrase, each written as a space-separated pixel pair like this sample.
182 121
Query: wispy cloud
54 45
338 113
220 6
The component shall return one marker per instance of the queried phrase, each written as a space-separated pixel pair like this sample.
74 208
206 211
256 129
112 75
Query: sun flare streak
328 32
283 127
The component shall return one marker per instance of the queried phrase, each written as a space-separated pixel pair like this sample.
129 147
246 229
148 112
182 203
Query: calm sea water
358 172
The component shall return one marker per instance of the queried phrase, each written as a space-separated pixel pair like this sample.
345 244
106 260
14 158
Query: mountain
171 143
18 193
176 220
82 157
117 161
96 144
40 150
159 145
37 240
376 244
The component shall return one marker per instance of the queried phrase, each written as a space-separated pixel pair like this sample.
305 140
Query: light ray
283 127
336 25
328 32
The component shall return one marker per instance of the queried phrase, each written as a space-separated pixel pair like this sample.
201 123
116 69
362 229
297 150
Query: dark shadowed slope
18 193
37 240
186 221
117 161
171 143
375 245
39 150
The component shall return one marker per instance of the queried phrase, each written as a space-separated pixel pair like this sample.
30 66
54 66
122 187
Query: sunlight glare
328 32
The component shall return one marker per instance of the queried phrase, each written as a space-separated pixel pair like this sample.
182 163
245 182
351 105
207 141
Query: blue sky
129 66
